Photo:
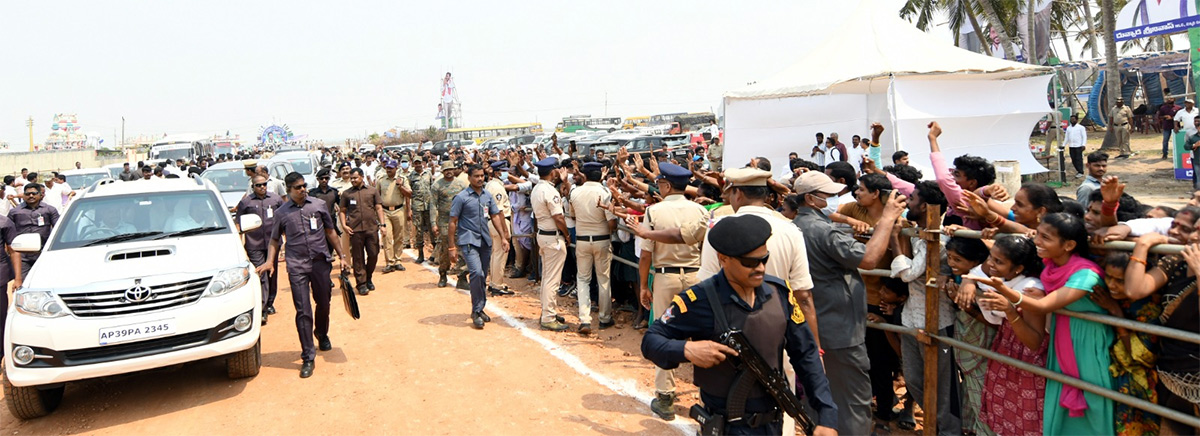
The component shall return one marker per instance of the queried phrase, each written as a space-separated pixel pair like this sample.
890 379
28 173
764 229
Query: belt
548 232
593 238
392 208
676 270
1123 124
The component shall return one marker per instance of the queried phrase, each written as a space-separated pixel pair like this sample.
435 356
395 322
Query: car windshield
302 166
92 219
79 181
228 180
181 153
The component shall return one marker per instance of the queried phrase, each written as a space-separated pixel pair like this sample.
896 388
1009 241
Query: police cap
550 162
593 166
674 173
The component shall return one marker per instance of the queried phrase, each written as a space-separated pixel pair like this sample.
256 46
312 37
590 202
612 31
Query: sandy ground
1147 177
411 365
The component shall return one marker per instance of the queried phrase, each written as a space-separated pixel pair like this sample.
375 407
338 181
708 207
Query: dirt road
411 365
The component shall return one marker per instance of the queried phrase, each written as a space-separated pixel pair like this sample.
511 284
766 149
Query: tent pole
892 112
1056 119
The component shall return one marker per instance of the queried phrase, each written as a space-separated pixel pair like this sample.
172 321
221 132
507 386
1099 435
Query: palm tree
1112 75
993 18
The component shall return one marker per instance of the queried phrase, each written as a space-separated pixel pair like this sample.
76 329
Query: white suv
136 275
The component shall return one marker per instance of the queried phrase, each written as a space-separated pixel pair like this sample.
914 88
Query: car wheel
29 402
245 363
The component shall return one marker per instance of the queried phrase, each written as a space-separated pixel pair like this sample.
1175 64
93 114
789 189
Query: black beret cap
739 234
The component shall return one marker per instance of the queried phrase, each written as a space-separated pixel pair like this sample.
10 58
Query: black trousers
885 365
364 249
1077 159
270 283
317 283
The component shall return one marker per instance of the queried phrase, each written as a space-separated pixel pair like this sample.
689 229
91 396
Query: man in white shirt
56 192
820 152
1184 118
1076 140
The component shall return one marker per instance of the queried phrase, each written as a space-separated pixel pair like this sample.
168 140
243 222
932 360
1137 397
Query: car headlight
39 303
228 280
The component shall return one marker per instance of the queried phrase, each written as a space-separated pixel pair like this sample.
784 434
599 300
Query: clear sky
335 70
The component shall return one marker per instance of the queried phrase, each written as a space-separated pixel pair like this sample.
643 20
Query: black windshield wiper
190 232
121 238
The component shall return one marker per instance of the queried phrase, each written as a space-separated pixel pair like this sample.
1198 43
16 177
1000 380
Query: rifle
771 379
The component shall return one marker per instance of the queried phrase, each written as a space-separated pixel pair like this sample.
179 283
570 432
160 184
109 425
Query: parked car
302 162
230 180
83 178
158 278
648 144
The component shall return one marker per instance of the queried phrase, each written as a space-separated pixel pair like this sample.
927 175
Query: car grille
134 349
112 303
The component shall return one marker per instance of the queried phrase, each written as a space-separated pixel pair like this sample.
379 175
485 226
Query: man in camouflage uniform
421 181
444 190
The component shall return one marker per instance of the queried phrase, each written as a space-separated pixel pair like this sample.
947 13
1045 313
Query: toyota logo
138 293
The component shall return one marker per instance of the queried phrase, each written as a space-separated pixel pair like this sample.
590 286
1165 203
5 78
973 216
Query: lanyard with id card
41 220
312 222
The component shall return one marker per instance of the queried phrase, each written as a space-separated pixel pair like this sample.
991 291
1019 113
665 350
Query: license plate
133 332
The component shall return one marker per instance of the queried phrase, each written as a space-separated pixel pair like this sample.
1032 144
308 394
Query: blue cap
391 164
593 166
550 162
674 173
500 165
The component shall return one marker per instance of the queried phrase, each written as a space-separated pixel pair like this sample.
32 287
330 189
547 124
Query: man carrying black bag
735 401
308 227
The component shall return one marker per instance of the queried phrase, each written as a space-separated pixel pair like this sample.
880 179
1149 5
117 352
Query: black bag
348 297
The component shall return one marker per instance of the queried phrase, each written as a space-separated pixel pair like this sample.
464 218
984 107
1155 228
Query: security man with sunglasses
763 308
263 203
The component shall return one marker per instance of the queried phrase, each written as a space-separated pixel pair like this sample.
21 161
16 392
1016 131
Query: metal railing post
933 256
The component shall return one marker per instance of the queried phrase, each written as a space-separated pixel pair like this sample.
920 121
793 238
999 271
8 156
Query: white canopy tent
888 71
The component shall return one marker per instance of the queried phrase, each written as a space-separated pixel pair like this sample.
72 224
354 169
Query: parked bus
633 122
186 147
480 134
599 124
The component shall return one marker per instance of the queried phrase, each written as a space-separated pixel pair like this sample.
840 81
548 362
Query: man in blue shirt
469 212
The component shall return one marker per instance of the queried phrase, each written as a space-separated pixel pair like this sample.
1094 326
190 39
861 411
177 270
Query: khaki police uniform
1121 116
499 257
552 245
674 265
593 247
395 210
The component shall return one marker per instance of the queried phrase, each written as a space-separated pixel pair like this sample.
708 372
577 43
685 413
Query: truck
186 147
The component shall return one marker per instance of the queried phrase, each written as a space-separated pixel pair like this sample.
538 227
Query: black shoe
264 319
420 259
1123 156
663 405
362 289
515 274
323 344
306 369
398 267
271 310
441 280
370 286
485 317
559 318
585 328
386 269
463 283
607 324
477 321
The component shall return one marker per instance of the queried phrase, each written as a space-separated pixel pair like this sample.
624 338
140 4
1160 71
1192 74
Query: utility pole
122 132
29 123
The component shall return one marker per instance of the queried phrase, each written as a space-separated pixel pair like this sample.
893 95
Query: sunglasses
300 187
322 178
753 262
260 185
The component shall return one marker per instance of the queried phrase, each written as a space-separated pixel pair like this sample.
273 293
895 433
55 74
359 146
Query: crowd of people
687 249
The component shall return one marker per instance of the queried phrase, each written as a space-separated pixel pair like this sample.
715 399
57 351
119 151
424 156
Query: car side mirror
27 243
249 222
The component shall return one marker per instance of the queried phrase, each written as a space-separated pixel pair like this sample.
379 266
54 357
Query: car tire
245 363
29 402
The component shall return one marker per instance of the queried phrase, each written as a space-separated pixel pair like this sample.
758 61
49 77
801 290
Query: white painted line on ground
624 387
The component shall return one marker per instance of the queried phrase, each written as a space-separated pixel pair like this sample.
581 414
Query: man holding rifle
742 308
